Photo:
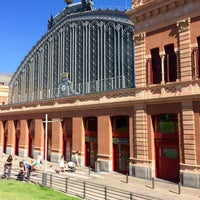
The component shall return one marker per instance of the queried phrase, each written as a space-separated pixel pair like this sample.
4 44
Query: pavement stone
157 190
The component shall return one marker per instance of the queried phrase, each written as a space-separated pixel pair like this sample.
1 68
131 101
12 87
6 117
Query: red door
166 139
167 166
167 155
91 154
121 158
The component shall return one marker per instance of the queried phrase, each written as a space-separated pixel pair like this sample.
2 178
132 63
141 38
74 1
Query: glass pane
169 153
92 156
121 157
68 151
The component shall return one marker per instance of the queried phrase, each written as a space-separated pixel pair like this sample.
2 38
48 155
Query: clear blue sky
23 22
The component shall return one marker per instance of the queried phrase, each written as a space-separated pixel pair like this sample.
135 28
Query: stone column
57 140
162 68
24 137
105 145
78 139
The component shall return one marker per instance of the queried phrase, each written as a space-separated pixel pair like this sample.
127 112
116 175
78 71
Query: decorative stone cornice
144 10
139 39
183 25
136 3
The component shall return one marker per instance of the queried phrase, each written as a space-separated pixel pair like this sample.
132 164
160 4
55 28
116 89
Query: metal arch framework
95 48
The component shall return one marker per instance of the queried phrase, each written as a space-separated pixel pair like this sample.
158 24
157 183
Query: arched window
165 123
170 64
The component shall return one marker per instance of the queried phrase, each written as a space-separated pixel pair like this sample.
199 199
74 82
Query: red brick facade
157 24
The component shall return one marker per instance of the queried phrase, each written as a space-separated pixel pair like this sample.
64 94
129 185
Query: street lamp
44 177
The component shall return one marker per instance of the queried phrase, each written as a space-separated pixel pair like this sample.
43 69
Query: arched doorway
166 146
49 139
5 139
120 131
31 130
17 136
67 138
90 124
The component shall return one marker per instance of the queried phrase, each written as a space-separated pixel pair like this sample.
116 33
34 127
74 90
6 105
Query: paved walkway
162 190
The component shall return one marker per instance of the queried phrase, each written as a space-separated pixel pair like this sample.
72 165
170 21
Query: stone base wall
23 152
190 179
140 171
105 165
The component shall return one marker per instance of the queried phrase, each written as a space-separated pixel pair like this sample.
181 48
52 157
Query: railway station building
120 87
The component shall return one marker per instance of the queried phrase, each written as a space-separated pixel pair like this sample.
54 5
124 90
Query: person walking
39 161
76 159
62 163
9 164
5 171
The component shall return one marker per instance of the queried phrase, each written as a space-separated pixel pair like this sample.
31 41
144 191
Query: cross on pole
45 148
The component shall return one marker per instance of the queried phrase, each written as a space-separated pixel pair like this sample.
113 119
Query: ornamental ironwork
94 47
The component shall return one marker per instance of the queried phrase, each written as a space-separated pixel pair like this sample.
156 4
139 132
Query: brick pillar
189 167
131 139
24 136
185 49
1 137
57 140
11 138
78 139
131 143
105 145
141 166
39 138
140 67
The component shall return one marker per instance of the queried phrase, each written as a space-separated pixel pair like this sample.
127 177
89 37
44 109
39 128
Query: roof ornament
68 1
90 5
50 22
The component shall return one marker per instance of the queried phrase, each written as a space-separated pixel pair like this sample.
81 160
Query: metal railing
86 190
79 188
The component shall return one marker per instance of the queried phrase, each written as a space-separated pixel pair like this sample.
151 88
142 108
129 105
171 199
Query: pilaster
140 66
185 49
140 165
39 137
24 136
11 137
189 167
1 137
105 143
57 140
78 139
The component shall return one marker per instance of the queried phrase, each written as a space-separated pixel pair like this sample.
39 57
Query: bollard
89 170
51 180
105 193
127 178
66 185
28 174
131 196
44 179
153 184
179 188
84 190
